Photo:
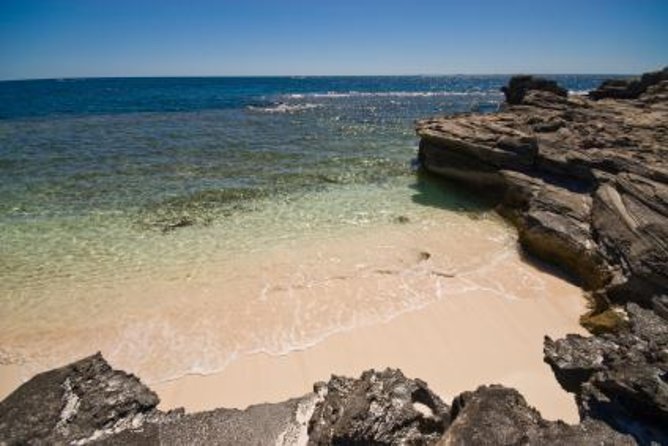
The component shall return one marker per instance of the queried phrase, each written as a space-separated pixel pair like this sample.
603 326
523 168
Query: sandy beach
445 296
454 344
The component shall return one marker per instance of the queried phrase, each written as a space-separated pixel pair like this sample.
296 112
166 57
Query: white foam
397 94
285 108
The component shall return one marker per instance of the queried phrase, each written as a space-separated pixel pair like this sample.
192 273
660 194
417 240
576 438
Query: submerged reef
584 180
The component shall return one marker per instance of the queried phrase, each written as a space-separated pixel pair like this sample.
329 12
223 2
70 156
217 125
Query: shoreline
454 355
472 271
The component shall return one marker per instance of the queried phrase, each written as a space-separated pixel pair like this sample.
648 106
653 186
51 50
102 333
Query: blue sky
70 38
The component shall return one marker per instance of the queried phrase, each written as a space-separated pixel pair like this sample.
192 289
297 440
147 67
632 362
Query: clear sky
82 38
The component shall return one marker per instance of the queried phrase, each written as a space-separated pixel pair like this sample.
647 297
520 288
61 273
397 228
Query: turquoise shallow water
92 159
107 181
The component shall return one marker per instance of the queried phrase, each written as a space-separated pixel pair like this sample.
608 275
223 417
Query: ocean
152 218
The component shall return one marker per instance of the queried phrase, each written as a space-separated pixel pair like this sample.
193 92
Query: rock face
585 182
629 88
382 408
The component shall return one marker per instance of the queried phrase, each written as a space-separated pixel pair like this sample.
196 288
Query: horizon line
233 76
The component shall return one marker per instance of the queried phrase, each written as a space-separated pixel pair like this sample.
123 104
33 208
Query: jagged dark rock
78 402
629 88
519 86
497 415
621 379
382 408
88 402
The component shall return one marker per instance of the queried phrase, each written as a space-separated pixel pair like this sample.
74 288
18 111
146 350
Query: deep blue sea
107 185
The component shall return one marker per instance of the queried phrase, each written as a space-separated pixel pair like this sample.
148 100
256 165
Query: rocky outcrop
621 378
90 403
77 403
497 415
382 408
585 182
629 88
518 87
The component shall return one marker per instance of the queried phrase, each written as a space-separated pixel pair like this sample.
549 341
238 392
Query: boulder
382 408
79 402
518 87
496 415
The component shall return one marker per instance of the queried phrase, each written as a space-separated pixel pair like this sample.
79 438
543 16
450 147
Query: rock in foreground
88 402
497 415
378 408
621 378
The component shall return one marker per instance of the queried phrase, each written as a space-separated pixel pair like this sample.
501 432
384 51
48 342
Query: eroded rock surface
518 87
88 402
585 182
383 408
77 403
497 415
620 378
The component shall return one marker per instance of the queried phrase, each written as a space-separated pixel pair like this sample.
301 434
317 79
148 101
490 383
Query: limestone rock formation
621 379
585 182
496 415
88 402
79 402
382 408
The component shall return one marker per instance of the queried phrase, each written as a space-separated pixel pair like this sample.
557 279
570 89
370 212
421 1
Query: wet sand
454 344
446 297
